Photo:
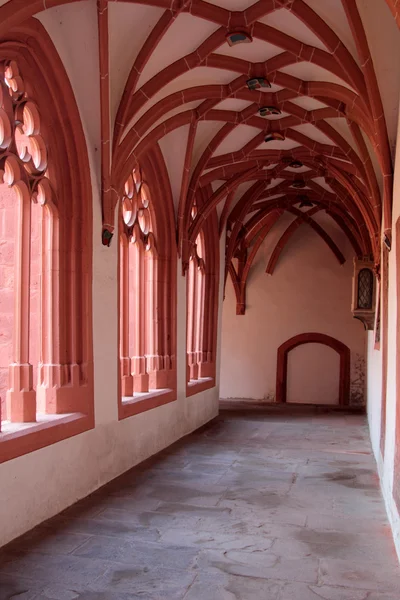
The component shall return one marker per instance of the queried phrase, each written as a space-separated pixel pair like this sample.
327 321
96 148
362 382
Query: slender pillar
125 366
192 312
199 321
54 391
136 322
206 362
21 397
154 359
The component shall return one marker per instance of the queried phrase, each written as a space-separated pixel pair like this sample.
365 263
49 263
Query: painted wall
374 393
314 360
308 292
386 463
40 484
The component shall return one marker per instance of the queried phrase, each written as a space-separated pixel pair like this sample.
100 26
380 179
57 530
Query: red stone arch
313 338
148 317
62 186
201 366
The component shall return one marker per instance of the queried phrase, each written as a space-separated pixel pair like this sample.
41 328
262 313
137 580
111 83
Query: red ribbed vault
327 145
328 132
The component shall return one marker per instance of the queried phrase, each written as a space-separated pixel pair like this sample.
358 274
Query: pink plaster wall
308 292
321 384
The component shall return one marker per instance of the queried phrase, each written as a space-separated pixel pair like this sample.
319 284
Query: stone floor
252 507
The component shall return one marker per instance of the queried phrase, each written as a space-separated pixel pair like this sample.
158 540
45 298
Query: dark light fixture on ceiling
305 202
298 184
238 37
296 164
266 111
274 135
258 82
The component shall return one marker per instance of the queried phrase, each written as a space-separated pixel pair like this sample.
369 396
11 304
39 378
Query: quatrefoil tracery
136 214
23 154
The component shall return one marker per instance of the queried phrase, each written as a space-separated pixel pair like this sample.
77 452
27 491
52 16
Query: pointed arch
202 272
147 255
53 137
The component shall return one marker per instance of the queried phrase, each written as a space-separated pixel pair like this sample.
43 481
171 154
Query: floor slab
254 506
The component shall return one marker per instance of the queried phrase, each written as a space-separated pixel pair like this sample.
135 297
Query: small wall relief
357 380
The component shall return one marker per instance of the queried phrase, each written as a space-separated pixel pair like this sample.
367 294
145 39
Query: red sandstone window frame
147 291
202 280
66 377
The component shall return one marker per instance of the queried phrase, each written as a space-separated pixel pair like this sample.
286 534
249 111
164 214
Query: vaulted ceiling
325 74
321 143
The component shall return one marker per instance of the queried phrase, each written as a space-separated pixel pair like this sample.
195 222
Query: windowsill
195 386
9 429
143 401
17 439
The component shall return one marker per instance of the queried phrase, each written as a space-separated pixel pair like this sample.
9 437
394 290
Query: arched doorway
313 338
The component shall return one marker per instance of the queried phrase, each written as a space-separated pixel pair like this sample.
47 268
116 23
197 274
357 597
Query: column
21 397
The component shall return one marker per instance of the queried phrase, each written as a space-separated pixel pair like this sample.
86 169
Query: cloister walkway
253 506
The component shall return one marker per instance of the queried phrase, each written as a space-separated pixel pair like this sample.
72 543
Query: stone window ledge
195 386
17 439
143 401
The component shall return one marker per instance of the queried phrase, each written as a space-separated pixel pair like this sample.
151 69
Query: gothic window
44 365
365 289
24 193
202 306
145 356
195 318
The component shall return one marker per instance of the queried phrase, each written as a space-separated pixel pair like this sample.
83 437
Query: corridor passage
254 506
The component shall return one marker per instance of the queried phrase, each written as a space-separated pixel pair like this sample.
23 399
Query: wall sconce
364 290
106 237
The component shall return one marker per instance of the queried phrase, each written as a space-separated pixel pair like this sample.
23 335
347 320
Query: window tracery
23 154
195 321
48 370
202 303
23 167
145 359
